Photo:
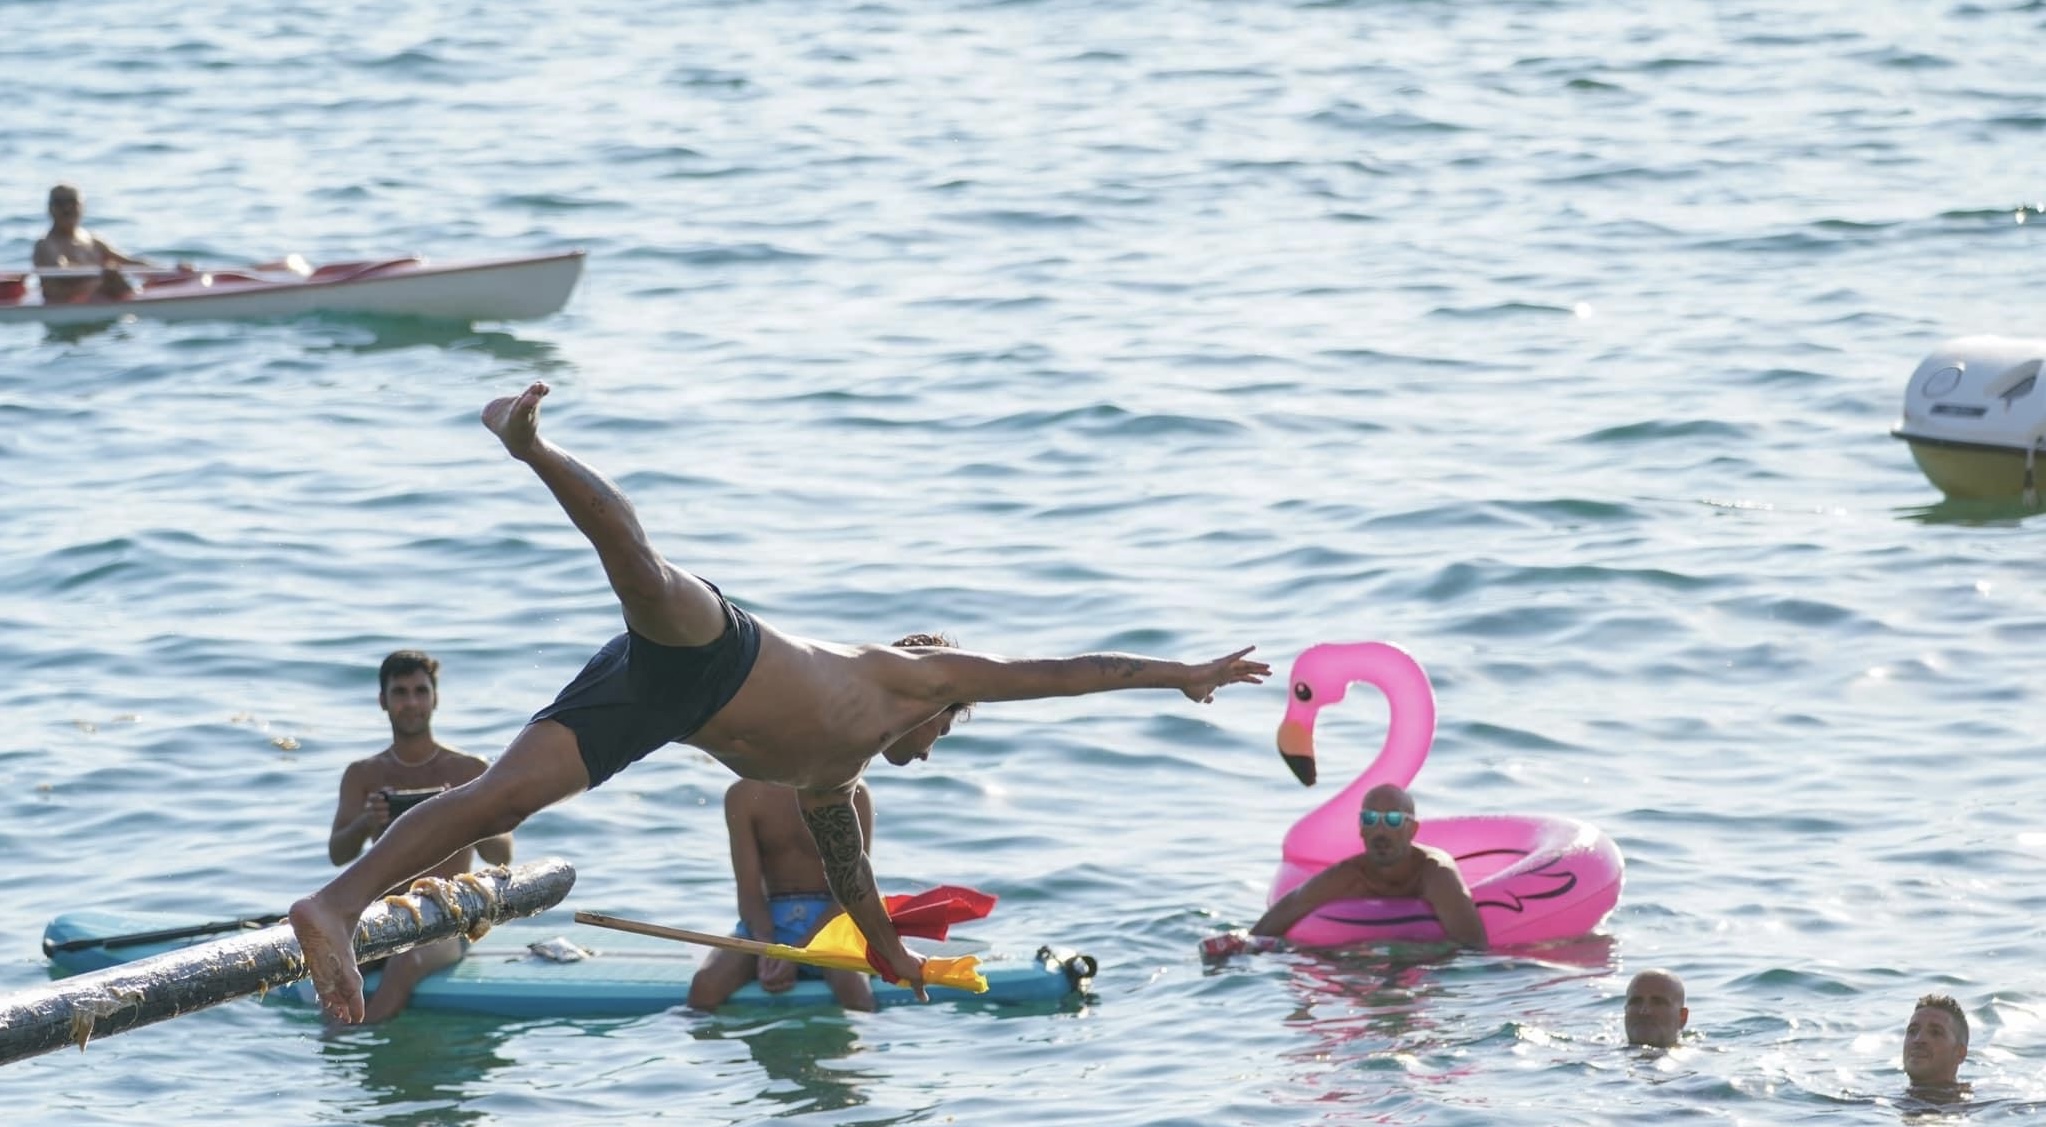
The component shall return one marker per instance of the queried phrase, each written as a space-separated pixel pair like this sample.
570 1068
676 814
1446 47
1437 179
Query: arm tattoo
836 830
1114 665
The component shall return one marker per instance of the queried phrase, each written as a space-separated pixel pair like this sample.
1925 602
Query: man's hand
914 976
776 975
376 814
1216 948
1203 680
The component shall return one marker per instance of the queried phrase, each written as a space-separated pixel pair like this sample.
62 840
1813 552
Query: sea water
1557 343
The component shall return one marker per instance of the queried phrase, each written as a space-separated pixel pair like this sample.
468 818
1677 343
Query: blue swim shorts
795 917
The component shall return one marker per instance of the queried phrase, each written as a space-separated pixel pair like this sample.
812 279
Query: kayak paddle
163 935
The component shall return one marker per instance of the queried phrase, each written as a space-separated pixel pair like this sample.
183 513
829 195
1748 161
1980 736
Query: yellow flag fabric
840 946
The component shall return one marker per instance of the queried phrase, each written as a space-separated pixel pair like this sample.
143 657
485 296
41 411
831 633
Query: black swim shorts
637 694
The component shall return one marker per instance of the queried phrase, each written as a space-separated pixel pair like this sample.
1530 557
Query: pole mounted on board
73 1010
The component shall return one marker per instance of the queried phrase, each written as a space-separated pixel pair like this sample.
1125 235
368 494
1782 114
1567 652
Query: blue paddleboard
623 975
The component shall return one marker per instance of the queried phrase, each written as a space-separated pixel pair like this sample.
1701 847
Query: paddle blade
960 973
839 945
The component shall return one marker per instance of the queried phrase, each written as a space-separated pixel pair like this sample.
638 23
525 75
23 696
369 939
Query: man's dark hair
1945 1003
406 662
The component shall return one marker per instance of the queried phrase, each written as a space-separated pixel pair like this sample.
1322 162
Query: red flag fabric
930 914
926 915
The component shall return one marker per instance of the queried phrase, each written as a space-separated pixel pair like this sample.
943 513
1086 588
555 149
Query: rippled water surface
1557 343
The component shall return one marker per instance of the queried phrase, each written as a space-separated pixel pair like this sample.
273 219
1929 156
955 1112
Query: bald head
1656 1014
1386 796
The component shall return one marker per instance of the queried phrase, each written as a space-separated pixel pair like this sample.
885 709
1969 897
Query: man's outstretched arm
835 827
955 677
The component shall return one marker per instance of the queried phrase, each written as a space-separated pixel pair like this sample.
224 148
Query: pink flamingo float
1534 879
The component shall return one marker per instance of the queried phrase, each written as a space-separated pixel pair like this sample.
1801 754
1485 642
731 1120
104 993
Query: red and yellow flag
926 915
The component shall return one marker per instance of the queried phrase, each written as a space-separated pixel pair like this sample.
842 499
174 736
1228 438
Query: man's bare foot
328 942
515 419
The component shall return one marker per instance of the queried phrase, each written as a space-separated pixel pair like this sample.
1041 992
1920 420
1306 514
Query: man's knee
642 581
709 990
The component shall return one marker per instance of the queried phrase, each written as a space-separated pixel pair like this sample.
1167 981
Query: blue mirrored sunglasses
1393 818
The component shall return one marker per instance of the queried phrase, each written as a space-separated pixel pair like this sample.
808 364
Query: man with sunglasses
1391 867
70 245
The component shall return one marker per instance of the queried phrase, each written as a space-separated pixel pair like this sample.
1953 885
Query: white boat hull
1975 417
513 289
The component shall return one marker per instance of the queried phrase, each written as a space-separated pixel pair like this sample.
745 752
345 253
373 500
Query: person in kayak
1391 866
783 896
408 690
693 668
70 244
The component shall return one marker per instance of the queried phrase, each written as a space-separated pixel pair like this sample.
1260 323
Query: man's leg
721 973
854 990
539 768
661 602
403 974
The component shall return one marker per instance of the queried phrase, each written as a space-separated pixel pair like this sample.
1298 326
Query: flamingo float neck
1322 676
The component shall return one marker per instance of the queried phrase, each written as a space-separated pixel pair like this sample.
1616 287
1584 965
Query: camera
402 800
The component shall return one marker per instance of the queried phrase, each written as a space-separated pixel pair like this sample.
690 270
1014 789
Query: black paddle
163 935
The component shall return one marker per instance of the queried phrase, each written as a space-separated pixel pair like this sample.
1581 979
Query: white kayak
503 289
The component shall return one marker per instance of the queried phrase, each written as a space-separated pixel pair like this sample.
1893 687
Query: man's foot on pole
328 942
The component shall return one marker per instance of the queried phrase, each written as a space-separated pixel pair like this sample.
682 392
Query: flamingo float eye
1301 691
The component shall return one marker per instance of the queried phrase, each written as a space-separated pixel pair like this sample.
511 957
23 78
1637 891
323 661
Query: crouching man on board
784 896
377 790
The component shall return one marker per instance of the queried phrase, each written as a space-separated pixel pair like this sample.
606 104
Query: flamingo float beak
1296 747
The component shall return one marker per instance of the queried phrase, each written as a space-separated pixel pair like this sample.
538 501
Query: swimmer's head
1936 1042
1656 1014
1386 823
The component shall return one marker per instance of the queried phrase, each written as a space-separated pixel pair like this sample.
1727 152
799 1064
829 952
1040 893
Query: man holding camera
377 790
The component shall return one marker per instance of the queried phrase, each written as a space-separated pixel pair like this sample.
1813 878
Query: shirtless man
69 244
1390 866
408 687
693 668
783 897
